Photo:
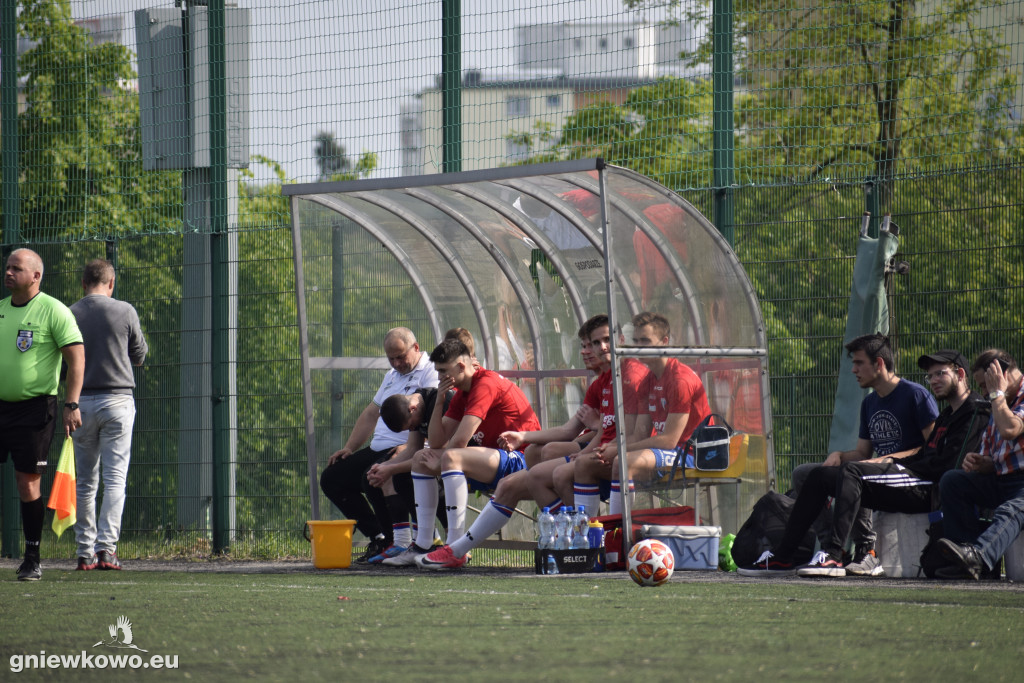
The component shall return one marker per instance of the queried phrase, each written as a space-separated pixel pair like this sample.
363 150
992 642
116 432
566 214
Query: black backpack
764 529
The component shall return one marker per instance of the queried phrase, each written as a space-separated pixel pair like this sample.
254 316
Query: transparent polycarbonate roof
517 256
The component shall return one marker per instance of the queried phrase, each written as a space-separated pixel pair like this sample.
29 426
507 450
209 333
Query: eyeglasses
935 375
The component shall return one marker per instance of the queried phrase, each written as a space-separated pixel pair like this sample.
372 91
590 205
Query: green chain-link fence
774 119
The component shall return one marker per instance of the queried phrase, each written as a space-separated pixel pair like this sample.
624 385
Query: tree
330 155
81 160
884 88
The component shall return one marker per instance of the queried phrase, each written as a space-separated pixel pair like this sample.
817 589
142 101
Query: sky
332 66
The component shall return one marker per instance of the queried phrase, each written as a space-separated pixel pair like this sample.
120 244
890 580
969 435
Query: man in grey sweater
113 343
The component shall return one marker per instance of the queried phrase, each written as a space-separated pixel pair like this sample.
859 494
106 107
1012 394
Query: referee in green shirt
36 332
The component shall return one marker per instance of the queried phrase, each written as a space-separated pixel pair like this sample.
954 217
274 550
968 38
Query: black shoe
375 547
965 560
108 560
30 570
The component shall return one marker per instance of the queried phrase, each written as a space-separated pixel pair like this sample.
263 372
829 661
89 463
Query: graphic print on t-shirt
886 433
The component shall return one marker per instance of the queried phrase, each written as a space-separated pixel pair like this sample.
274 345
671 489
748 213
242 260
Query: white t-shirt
422 376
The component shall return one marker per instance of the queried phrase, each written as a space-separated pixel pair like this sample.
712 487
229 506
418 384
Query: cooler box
567 561
694 547
900 538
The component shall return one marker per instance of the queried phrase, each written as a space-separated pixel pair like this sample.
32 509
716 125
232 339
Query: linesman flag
62 494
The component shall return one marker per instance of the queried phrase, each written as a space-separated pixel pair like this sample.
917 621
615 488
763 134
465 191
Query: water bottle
595 533
563 528
545 529
580 529
551 567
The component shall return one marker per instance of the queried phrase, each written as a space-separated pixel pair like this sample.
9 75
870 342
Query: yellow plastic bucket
332 542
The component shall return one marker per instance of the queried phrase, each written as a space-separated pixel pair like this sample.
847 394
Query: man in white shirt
342 480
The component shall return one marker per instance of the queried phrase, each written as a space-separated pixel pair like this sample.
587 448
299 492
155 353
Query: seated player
510 490
485 405
571 437
554 479
412 413
676 403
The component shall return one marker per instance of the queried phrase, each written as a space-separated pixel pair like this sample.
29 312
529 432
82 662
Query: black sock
396 508
32 525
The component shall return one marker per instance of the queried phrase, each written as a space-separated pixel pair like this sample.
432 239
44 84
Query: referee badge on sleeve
24 340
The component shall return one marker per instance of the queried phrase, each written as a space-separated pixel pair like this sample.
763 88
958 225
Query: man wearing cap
893 483
992 477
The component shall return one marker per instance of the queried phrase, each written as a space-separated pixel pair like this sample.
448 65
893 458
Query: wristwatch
71 406
995 394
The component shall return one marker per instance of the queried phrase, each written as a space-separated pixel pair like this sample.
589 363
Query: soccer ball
650 562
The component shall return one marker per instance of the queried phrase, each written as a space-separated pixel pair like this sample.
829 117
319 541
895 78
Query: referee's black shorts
26 430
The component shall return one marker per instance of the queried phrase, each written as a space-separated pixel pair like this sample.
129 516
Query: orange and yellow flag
63 499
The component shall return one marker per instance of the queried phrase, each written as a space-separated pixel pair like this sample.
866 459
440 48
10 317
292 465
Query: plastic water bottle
563 528
551 567
595 533
545 529
580 529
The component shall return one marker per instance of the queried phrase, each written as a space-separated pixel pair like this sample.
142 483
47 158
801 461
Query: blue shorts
510 463
665 459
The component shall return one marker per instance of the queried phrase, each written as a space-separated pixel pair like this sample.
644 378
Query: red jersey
678 390
499 403
633 375
599 395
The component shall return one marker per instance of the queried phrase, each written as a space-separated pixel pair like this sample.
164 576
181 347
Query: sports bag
765 528
710 446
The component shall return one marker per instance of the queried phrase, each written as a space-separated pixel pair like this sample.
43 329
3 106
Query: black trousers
343 484
887 487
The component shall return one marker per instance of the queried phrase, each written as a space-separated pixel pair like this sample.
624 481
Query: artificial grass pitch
458 626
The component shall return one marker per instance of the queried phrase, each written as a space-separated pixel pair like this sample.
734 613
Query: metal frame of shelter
517 255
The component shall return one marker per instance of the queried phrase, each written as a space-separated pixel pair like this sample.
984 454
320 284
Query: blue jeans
103 444
963 492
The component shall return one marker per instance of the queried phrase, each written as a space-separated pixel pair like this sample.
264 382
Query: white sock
615 500
402 534
456 497
491 519
587 495
424 487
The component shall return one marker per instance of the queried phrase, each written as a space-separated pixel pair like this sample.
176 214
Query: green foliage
81 168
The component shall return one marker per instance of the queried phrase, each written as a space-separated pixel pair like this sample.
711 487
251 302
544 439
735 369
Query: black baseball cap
951 356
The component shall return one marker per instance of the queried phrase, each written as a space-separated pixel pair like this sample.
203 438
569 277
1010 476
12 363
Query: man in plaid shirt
993 478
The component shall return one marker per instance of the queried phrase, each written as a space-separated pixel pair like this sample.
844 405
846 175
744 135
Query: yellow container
332 543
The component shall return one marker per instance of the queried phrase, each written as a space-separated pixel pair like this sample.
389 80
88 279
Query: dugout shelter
521 257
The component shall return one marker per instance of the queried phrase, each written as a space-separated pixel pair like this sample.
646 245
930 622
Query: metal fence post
11 225
451 84
722 118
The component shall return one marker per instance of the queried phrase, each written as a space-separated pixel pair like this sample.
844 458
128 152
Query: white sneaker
407 558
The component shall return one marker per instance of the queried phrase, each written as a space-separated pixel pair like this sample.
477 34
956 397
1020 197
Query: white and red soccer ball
650 562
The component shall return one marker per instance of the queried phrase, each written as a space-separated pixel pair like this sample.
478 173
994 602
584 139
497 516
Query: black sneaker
30 570
965 561
108 560
768 565
375 547
822 564
86 564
